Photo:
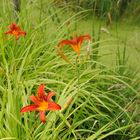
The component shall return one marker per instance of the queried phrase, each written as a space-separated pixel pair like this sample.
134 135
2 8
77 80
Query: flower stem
78 74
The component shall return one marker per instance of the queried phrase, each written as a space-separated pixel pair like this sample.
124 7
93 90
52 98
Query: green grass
104 88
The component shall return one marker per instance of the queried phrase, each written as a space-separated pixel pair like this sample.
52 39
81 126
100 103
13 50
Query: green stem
3 53
78 74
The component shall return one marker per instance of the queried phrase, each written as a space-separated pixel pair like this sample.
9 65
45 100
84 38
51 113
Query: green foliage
133 11
104 99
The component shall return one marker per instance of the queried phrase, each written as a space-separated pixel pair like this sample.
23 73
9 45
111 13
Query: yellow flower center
43 105
15 32
76 48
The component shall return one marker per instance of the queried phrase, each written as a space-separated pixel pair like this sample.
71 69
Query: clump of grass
104 100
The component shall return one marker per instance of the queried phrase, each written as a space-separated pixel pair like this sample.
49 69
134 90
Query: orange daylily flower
15 30
75 43
42 103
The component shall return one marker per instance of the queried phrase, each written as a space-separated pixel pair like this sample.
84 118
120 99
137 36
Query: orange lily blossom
15 30
42 103
75 43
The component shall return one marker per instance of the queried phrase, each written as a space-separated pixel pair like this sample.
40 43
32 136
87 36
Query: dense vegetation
98 92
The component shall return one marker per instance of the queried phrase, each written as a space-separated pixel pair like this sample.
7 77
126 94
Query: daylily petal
64 42
12 26
49 96
60 48
34 99
17 37
42 116
83 38
22 33
53 106
9 32
31 107
76 48
61 53
40 91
